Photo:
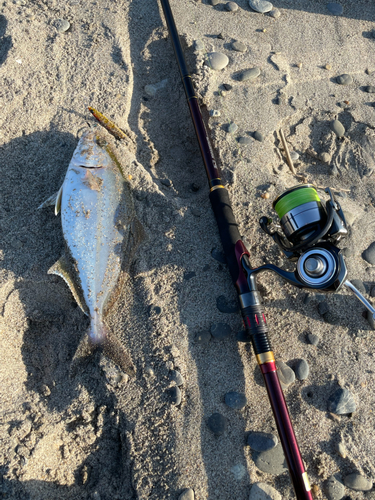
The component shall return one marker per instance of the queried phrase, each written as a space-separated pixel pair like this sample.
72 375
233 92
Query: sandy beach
101 435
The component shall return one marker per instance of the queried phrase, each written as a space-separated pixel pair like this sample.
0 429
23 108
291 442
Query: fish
100 230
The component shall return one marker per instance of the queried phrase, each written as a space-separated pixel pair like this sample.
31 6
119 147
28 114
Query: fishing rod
311 229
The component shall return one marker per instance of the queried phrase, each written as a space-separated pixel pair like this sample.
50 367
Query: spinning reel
308 233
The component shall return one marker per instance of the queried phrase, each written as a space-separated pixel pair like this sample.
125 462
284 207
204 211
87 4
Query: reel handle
364 301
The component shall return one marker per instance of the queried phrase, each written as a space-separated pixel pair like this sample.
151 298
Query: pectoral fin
54 199
62 268
58 200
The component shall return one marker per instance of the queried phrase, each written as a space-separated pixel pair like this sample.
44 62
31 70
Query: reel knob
315 266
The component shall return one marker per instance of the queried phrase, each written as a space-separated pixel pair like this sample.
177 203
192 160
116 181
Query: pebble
227 306
221 331
198 45
239 46
369 254
231 6
271 461
261 441
325 157
275 13
166 182
235 400
258 136
215 2
175 395
243 336
232 128
249 74
217 61
370 89
341 402
359 285
62 25
244 141
187 494
302 369
335 8
227 87
323 308
176 377
261 6
154 309
217 424
286 374
215 112
153 88
294 155
334 489
328 66
218 255
338 128
344 79
357 482
188 275
340 449
195 187
313 339
263 491
202 337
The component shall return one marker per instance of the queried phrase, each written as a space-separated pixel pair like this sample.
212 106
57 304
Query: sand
103 436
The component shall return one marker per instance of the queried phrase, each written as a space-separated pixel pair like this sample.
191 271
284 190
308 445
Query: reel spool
305 220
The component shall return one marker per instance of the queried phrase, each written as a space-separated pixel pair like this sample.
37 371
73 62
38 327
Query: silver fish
98 222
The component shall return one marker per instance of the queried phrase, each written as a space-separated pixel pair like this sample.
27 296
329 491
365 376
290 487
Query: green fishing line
294 199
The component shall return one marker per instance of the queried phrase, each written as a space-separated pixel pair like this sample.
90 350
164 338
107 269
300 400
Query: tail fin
111 348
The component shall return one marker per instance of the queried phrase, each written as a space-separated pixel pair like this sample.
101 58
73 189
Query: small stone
302 369
217 61
231 6
338 128
166 182
313 339
328 66
370 71
175 395
357 482
271 461
335 8
232 128
154 309
370 89
286 374
243 336
235 400
263 491
218 255
239 471
369 254
221 331
347 252
334 489
239 46
198 45
323 308
341 450
344 79
265 196
261 6
62 25
275 13
176 377
227 306
227 87
215 2
187 494
189 275
217 424
202 337
249 74
194 187
325 157
294 155
299 65
261 441
245 141
258 136
220 36
215 112
149 371
359 285
341 402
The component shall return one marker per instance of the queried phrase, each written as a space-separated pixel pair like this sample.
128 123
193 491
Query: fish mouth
91 151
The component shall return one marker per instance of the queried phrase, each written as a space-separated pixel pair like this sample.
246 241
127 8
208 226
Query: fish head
91 151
